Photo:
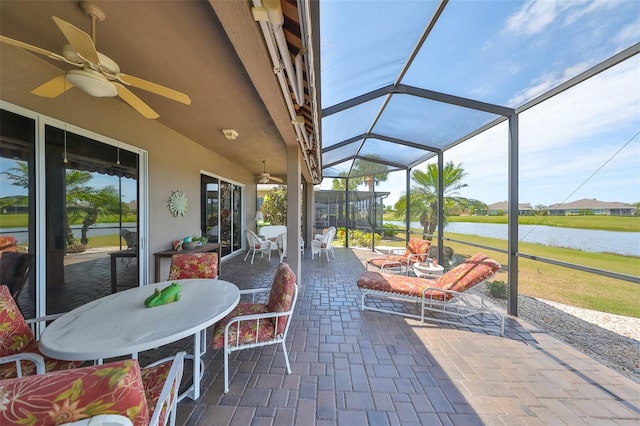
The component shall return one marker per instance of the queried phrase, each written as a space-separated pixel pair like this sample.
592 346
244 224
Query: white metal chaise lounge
445 295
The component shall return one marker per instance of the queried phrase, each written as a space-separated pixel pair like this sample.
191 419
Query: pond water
627 243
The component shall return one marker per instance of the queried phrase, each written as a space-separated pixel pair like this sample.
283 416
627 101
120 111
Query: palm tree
369 173
424 195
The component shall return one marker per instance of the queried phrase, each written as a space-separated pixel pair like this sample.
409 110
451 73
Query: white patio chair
256 245
254 324
281 243
325 244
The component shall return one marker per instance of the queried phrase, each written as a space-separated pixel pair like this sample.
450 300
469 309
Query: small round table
427 270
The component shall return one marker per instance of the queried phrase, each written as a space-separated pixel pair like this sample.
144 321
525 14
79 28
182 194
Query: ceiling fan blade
155 88
34 49
80 41
53 88
276 179
135 102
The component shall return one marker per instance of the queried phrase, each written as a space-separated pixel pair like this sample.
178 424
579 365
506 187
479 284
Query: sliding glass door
91 205
222 213
17 208
69 207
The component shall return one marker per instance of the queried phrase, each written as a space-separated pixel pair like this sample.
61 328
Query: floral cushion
418 246
464 276
281 295
15 333
8 371
193 265
8 243
265 331
414 246
472 271
280 299
67 396
154 379
16 337
400 284
390 261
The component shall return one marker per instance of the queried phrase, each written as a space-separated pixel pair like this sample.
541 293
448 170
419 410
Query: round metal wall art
178 203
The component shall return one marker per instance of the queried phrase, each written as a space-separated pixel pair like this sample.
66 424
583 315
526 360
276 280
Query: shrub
389 230
357 237
497 289
76 248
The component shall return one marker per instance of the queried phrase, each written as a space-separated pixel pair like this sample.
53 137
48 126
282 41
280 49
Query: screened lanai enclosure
408 83
364 210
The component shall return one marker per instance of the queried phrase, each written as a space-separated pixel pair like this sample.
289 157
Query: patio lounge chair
253 324
19 353
417 251
444 296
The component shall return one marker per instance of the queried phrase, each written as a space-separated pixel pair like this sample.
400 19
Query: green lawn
605 223
22 220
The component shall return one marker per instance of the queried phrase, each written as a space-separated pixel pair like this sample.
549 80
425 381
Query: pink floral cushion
193 265
400 284
390 261
414 246
464 276
249 331
418 246
281 295
154 379
14 331
68 396
16 337
280 300
472 271
8 243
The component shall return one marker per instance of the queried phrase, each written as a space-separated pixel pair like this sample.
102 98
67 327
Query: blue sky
516 51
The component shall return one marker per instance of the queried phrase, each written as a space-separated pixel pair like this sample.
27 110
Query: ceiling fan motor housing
92 82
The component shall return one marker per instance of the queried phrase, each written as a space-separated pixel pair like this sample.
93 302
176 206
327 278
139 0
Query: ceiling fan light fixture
230 134
264 179
92 82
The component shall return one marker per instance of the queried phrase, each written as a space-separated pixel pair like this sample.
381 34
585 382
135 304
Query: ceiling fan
97 75
265 177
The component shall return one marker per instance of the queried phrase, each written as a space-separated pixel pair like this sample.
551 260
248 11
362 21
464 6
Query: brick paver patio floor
368 368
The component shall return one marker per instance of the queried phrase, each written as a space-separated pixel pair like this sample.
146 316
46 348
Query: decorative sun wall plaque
178 203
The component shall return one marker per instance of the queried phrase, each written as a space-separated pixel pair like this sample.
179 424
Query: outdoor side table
426 270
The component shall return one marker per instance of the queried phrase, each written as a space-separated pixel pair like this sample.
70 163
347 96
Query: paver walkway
359 368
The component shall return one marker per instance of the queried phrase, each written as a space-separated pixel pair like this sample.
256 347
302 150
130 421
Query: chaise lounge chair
445 295
417 251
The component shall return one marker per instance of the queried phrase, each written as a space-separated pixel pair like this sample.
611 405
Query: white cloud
533 17
629 34
563 142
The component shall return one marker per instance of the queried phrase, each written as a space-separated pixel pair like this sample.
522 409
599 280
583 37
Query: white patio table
120 324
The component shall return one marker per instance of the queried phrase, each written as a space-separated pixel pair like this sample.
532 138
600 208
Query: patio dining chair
19 353
14 271
254 324
324 244
131 238
256 245
281 243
